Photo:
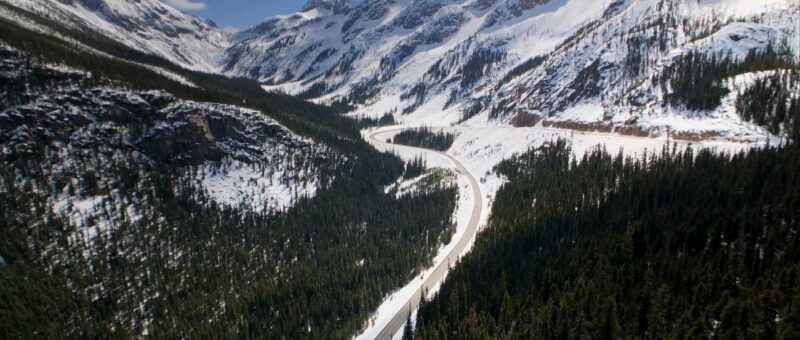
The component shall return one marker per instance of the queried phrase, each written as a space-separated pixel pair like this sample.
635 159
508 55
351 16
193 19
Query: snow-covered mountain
579 64
237 156
146 25
576 64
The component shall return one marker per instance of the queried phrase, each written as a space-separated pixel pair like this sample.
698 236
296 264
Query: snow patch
256 187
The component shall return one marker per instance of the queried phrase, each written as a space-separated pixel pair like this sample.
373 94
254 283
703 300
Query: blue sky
237 13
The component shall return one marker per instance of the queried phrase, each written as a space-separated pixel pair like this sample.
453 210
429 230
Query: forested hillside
143 198
108 230
674 245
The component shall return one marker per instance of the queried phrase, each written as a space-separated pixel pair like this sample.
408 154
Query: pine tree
408 332
607 325
657 327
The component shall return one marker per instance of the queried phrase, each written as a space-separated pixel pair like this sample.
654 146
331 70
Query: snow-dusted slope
578 64
583 64
145 25
615 75
238 156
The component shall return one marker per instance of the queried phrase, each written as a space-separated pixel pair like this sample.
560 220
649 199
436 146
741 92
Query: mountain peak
335 6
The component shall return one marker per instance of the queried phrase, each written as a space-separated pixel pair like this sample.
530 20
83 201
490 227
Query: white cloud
187 5
230 29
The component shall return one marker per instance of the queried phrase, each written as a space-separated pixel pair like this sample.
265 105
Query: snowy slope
482 62
236 156
145 25
578 64
606 75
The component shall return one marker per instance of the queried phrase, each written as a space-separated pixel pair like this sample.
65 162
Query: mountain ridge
448 62
189 41
576 64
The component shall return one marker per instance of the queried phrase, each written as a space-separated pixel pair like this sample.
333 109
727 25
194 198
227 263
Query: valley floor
471 212
474 154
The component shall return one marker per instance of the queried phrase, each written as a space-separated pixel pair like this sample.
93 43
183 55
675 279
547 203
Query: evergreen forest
424 137
190 267
673 245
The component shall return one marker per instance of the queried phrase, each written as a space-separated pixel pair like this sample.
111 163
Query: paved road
438 274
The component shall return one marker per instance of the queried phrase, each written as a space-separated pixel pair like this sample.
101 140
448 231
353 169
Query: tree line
690 244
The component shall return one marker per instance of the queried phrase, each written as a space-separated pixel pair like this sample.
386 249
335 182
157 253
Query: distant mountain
578 64
146 25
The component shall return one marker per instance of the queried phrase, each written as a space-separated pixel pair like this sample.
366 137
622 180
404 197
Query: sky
238 14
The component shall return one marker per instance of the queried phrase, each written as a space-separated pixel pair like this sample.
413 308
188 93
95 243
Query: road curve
438 274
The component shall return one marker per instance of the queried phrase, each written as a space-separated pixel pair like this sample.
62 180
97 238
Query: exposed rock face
335 6
152 123
181 133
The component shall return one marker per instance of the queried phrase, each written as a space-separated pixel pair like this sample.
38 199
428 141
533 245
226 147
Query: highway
400 317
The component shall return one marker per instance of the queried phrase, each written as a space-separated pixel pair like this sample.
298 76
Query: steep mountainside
578 63
141 199
80 118
146 25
